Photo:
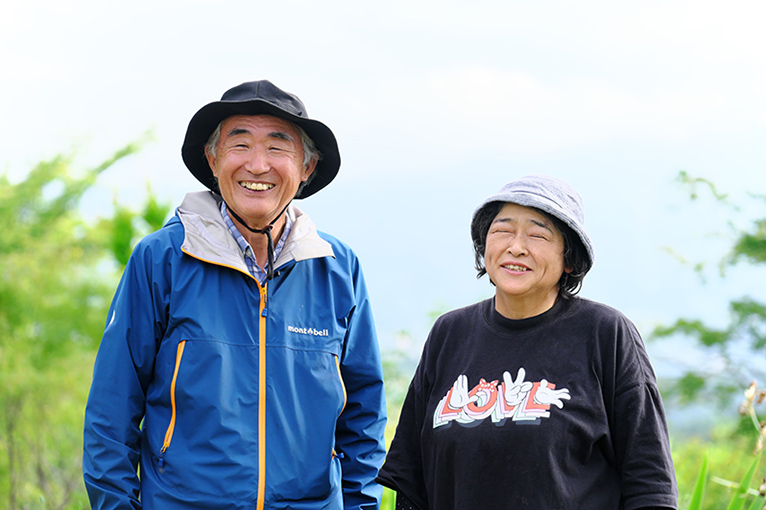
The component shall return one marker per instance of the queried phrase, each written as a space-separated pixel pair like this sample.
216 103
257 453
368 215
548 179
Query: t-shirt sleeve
642 446
403 468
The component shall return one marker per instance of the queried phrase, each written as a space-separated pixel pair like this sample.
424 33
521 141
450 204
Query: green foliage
695 183
742 488
752 245
389 500
127 225
699 488
706 336
747 324
57 274
728 453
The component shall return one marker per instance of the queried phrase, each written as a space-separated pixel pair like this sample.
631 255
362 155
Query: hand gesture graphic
515 391
549 396
459 396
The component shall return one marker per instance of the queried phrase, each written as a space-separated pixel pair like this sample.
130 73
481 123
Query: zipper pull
265 311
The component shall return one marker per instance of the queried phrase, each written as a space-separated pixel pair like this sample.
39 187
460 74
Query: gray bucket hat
259 98
549 194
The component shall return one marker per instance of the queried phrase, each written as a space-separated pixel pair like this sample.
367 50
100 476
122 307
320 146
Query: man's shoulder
337 245
343 254
169 236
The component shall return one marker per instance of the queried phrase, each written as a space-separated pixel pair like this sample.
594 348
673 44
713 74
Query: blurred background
655 112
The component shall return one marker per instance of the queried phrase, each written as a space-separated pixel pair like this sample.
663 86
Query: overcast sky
435 106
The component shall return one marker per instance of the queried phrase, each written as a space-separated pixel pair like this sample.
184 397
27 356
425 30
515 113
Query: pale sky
435 106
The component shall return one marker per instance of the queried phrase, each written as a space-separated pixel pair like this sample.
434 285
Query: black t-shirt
558 411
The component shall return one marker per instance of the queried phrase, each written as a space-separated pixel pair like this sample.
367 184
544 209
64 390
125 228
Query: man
239 367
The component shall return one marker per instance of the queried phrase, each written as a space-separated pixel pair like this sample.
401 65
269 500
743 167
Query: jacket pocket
203 425
342 384
173 410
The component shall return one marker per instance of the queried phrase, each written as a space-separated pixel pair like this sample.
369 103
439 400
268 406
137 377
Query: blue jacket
231 394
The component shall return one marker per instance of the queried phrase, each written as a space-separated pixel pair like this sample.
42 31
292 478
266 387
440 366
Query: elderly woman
535 398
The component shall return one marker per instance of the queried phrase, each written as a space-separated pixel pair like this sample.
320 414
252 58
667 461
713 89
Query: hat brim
209 116
543 203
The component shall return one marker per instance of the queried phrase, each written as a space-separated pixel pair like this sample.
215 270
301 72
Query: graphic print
520 400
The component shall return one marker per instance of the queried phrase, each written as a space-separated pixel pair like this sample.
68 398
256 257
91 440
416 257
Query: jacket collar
207 238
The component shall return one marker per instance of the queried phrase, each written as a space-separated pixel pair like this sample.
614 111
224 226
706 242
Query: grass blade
739 498
699 487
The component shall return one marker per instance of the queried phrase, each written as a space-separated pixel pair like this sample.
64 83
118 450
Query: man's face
259 166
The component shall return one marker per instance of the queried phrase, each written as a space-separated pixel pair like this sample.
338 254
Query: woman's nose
517 247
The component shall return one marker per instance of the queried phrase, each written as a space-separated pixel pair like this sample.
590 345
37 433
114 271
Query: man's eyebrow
238 131
281 135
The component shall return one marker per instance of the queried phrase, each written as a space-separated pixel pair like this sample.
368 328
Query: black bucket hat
259 98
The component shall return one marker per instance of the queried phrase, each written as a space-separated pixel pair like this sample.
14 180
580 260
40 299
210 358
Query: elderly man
239 367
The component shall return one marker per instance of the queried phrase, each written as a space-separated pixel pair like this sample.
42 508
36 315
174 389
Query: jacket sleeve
360 429
121 375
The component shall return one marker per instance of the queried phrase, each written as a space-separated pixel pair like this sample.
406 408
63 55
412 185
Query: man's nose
257 162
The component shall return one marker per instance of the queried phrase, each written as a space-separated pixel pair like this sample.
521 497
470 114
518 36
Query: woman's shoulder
596 310
463 314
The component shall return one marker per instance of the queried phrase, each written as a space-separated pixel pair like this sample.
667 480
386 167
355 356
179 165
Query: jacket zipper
342 384
263 312
345 399
172 425
262 397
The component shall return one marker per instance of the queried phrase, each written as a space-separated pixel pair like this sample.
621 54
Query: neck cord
267 232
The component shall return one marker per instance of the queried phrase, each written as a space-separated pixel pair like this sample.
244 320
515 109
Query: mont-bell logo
308 331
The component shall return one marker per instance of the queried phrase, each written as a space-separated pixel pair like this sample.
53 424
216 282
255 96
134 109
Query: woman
535 398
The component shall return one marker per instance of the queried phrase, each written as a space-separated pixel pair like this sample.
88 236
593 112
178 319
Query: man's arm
121 376
360 429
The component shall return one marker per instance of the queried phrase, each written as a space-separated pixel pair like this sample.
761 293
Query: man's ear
210 161
310 167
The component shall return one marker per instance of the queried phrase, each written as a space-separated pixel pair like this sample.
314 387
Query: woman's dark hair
575 256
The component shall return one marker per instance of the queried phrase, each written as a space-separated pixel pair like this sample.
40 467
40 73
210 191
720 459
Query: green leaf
739 498
757 503
699 488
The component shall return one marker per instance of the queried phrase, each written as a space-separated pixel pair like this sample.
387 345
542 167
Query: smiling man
239 368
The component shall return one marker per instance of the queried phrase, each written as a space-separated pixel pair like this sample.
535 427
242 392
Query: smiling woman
535 354
524 258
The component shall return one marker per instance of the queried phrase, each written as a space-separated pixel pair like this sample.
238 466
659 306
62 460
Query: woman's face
524 257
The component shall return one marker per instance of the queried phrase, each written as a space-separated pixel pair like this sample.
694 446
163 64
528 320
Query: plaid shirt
252 266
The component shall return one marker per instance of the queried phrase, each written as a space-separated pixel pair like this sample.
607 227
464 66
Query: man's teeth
514 267
256 186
